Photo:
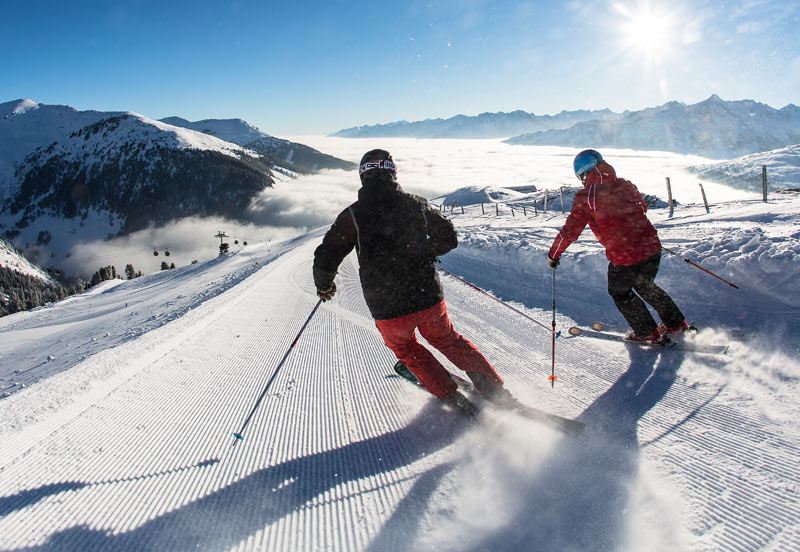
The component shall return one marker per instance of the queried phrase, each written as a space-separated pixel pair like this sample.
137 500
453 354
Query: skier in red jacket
615 211
397 237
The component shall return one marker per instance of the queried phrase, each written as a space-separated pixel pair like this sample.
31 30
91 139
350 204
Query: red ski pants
434 325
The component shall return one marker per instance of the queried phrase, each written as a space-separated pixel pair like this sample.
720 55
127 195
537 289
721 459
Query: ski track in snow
131 448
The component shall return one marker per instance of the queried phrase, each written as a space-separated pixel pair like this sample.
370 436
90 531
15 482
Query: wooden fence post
669 198
705 201
764 181
535 209
462 209
562 199
497 209
482 211
524 213
512 212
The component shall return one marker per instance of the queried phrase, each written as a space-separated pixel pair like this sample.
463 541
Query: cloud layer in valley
430 168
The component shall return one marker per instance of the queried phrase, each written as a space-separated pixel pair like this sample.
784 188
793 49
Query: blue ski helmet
585 161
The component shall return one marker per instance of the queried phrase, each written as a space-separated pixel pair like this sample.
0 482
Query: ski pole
553 376
239 433
476 288
700 267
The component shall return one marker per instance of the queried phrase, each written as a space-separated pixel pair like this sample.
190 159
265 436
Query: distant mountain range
96 174
485 125
712 128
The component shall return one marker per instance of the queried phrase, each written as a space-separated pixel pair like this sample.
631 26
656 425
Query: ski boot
681 329
458 402
492 391
655 337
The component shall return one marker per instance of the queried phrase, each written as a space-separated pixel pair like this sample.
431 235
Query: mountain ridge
289 155
485 125
713 128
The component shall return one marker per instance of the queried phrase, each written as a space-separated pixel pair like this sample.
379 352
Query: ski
565 425
680 344
735 334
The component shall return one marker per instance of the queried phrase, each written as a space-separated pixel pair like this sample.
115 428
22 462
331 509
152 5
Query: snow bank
783 170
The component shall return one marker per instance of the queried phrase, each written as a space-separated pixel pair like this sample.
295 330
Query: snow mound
473 195
770 264
783 169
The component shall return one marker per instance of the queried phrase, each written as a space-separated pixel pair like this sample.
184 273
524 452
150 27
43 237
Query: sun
647 31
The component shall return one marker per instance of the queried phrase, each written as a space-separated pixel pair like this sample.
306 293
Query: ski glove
327 294
552 263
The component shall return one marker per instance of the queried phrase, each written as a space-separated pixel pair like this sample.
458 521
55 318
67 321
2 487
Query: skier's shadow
28 497
23 499
579 499
228 516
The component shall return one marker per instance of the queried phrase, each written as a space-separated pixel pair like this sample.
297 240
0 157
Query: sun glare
647 32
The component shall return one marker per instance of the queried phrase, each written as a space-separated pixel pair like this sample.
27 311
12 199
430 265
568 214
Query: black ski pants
623 281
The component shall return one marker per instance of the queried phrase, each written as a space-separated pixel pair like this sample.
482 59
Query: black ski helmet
377 161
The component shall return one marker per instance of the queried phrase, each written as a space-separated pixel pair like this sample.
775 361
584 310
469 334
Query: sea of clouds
430 168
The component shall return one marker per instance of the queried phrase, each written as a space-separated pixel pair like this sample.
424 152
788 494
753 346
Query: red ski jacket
615 211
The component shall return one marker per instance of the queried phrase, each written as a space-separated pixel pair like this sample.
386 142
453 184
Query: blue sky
295 67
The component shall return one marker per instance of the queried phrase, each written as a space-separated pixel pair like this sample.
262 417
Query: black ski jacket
397 237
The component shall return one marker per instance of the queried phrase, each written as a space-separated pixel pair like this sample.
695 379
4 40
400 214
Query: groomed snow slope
121 439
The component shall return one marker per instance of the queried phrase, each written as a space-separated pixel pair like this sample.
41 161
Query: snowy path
130 449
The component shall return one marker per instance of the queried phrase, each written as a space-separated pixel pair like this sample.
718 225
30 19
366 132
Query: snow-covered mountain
712 128
783 170
282 153
24 285
236 131
11 259
26 125
96 174
485 125
136 172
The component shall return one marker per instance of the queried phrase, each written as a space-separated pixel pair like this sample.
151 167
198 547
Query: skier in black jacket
397 237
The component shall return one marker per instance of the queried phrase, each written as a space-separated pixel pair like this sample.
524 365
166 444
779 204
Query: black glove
552 263
327 294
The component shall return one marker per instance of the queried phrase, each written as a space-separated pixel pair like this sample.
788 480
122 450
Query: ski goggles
371 165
